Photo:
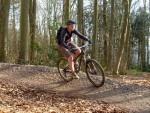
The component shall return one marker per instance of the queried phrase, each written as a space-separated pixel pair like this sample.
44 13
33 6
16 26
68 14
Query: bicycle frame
91 67
82 58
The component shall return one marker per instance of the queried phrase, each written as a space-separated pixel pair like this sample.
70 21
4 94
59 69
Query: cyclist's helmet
69 22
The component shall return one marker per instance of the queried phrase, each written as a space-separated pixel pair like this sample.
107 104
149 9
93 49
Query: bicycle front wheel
95 73
63 70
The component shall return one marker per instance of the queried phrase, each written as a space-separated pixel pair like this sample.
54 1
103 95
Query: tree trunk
80 18
143 42
139 51
66 11
4 15
24 21
143 63
111 31
32 17
95 28
124 64
124 36
147 41
105 37
148 44
15 41
49 19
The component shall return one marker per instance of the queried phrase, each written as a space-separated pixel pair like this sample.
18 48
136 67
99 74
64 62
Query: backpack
58 35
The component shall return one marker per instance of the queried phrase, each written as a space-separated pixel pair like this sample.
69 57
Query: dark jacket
65 37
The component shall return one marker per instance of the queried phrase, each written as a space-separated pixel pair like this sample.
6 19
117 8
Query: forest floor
39 89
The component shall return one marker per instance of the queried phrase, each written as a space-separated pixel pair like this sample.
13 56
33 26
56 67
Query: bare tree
80 17
95 28
32 17
111 31
24 21
105 37
123 37
66 10
4 15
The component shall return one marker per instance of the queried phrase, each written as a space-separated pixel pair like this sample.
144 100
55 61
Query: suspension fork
82 61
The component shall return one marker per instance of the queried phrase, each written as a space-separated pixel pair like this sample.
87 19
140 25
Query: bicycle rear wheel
63 70
95 73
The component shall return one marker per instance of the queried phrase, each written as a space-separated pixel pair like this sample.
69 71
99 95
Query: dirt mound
26 88
17 98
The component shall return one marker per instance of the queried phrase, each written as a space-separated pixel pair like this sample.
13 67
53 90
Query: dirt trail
131 94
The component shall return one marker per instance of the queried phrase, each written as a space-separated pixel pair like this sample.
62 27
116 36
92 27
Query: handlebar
82 47
85 45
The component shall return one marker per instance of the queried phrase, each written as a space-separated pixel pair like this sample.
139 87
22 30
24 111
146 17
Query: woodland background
119 30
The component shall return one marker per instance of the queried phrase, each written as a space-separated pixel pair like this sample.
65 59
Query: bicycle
93 69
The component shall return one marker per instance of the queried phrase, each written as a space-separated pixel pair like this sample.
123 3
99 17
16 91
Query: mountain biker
65 44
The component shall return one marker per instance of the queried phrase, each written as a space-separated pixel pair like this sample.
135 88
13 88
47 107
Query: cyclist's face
71 27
